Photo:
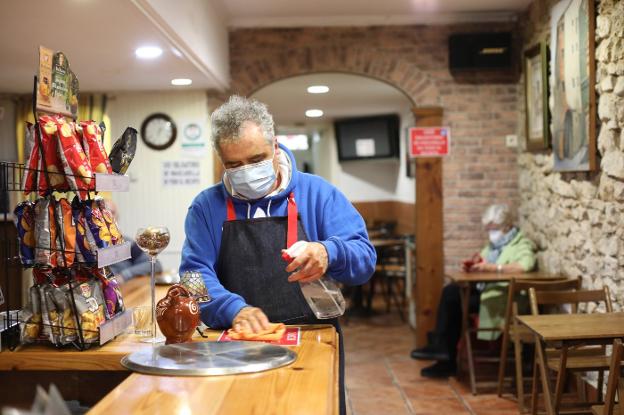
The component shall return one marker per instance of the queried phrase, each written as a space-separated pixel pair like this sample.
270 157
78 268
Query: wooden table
465 280
564 331
309 385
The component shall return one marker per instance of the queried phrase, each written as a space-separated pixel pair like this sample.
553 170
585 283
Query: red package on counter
75 163
93 147
53 164
29 179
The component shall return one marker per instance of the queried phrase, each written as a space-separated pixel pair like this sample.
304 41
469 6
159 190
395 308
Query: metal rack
11 175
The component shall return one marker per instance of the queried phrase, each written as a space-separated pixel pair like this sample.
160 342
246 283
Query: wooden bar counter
307 386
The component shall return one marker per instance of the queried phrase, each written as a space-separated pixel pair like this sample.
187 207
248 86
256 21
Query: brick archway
401 74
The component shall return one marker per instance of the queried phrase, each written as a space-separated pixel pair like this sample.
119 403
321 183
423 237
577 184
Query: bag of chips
109 219
90 307
51 322
97 225
75 163
66 222
30 317
123 151
93 147
25 224
42 232
56 253
86 250
112 294
53 164
29 179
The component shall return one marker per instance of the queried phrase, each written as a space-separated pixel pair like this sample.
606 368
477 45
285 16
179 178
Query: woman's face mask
253 181
495 235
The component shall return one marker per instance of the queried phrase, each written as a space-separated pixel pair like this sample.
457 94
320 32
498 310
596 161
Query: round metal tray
208 358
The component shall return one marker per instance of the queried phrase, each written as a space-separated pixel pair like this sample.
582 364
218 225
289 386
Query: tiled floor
382 379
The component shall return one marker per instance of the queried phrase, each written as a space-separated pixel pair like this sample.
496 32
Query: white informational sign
194 142
365 147
181 173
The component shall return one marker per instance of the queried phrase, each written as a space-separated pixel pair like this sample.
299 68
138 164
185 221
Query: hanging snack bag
53 164
42 232
25 224
30 317
29 179
123 151
86 249
93 147
97 225
75 163
90 306
51 313
112 294
66 222
66 318
109 219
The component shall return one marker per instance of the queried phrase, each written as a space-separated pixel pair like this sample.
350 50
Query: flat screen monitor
371 137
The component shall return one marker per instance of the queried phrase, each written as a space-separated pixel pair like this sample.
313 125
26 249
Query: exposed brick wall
480 169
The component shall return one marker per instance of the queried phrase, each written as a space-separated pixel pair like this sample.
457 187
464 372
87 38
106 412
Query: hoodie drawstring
269 208
248 210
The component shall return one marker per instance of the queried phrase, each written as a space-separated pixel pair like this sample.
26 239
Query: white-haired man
507 250
236 230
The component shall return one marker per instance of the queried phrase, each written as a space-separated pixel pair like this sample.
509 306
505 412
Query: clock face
158 131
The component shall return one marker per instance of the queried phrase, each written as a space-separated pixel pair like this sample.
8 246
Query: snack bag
53 165
109 219
29 179
66 221
93 147
50 314
86 249
112 296
66 317
75 163
90 306
97 225
30 317
42 232
25 224
55 245
123 150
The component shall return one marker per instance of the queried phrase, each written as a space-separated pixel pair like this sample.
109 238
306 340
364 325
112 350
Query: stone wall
414 59
575 219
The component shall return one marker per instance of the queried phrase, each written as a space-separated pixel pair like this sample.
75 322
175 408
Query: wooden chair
580 359
614 383
513 332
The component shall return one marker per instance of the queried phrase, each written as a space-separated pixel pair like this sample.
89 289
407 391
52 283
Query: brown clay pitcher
177 315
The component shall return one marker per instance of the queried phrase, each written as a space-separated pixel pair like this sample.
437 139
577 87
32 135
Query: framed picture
536 96
573 76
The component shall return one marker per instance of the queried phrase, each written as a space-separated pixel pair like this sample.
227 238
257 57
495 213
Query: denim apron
250 264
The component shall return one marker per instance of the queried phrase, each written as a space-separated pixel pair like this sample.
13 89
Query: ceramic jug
177 315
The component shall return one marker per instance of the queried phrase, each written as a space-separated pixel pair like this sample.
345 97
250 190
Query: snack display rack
11 180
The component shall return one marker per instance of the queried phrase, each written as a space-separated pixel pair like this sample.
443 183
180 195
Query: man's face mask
253 181
495 236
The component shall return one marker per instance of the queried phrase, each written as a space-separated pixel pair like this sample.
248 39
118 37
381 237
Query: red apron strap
231 214
291 233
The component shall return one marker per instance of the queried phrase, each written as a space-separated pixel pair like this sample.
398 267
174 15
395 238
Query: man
236 230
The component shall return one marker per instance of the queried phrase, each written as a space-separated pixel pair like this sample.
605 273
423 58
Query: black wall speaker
486 54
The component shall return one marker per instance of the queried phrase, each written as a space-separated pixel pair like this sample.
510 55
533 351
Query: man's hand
310 265
250 319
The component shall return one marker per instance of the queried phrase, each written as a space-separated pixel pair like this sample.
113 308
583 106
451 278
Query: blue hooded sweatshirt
326 215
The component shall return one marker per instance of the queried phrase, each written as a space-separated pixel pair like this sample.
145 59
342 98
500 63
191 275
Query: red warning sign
429 141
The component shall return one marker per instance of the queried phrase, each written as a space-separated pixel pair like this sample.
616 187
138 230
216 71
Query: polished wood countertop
307 386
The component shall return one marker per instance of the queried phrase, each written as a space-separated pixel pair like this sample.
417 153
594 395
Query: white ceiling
348 96
99 36
293 13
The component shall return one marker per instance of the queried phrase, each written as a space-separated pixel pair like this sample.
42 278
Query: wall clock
158 131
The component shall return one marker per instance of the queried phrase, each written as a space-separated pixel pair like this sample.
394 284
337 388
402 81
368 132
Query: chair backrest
615 382
516 286
571 297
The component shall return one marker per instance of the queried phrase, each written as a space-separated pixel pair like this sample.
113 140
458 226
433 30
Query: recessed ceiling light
318 89
148 52
181 81
314 113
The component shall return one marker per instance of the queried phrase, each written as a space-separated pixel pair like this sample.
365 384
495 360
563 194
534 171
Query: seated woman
508 250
